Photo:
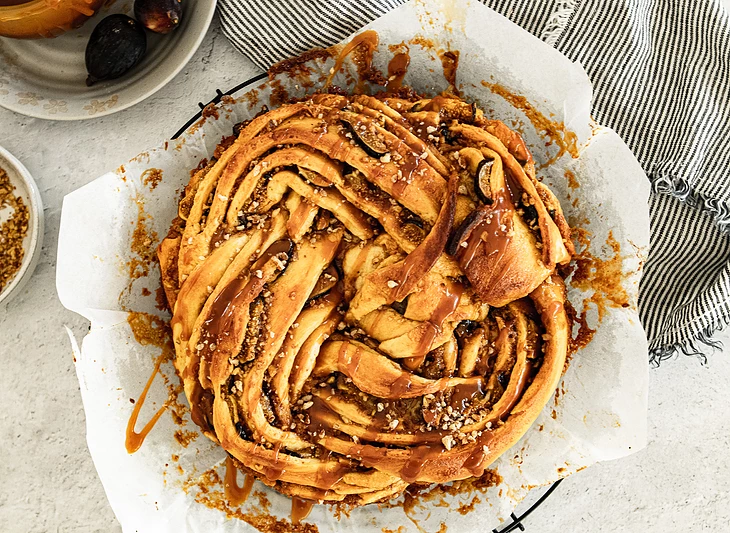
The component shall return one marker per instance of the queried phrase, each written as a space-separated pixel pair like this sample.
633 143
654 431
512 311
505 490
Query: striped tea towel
661 76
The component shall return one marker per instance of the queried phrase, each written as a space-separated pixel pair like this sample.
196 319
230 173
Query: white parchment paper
600 410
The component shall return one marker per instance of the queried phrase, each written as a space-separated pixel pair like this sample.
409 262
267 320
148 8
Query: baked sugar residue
401 529
556 132
572 180
152 177
279 94
161 299
298 67
184 438
209 489
603 277
251 98
143 244
211 110
583 336
419 498
150 330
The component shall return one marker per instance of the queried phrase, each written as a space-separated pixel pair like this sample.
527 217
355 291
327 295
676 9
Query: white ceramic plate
46 78
26 188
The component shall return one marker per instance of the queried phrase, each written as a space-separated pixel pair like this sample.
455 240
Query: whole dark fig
159 16
116 45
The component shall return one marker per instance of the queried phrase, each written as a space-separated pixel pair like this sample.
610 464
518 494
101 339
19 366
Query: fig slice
482 180
313 177
463 231
368 140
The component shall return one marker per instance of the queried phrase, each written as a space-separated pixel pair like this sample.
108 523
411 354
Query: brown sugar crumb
298 65
572 180
184 438
152 177
12 232
161 299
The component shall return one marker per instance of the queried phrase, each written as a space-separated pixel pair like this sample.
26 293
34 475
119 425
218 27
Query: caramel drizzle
445 308
492 235
134 440
300 510
236 494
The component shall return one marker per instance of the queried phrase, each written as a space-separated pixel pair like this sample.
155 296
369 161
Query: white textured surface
681 482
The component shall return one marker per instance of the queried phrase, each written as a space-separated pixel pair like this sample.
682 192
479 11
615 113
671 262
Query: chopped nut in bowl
21 226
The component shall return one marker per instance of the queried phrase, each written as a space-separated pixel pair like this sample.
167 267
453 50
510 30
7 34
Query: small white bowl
26 188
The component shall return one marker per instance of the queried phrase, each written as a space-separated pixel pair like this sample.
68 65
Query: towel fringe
701 340
680 189
557 22
694 347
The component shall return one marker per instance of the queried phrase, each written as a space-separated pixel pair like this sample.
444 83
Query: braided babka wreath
365 295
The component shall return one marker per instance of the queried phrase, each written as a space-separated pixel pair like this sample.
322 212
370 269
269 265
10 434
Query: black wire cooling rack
516 523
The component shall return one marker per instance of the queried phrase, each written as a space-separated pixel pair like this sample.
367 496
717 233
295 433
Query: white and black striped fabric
661 76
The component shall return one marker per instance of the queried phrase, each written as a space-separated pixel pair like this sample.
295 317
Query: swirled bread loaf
364 295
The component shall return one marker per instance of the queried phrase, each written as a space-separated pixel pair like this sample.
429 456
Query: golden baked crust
365 295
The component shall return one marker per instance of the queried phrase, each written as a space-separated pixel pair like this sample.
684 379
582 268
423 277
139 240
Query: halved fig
482 181
368 139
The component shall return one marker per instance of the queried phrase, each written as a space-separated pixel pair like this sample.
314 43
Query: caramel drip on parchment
134 440
300 510
236 494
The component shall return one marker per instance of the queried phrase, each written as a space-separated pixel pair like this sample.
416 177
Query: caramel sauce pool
397 69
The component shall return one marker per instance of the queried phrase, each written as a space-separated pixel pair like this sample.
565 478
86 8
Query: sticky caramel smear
556 132
134 440
450 62
235 494
300 510
368 39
